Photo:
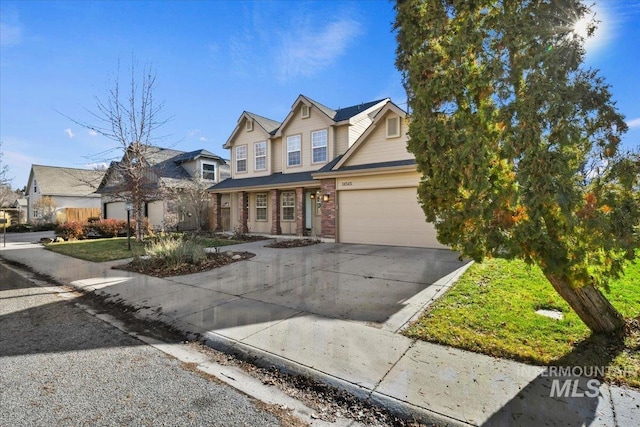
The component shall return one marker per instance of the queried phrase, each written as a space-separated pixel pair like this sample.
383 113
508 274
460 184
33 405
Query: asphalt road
25 237
61 366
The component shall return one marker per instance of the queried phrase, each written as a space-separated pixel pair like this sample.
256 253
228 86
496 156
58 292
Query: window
241 158
304 111
248 125
319 146
293 151
260 150
35 185
209 171
393 127
288 206
261 207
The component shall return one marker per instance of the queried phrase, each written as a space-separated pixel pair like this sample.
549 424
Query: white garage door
384 217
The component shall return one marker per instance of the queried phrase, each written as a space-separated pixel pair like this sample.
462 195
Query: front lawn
101 250
98 250
492 310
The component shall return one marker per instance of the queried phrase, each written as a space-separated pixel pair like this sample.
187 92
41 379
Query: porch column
300 212
275 213
244 211
216 209
328 221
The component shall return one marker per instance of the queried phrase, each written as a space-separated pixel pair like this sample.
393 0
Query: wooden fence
77 214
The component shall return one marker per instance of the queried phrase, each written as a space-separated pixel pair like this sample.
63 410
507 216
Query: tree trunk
590 304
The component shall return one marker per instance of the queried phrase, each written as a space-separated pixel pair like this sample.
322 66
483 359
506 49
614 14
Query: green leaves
504 122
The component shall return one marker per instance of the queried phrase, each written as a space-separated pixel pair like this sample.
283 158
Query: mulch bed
159 269
293 243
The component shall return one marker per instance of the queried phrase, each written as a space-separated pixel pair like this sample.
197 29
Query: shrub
45 226
71 230
107 227
18 228
174 251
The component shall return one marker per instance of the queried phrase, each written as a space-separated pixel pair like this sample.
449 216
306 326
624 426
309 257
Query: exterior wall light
325 198
313 196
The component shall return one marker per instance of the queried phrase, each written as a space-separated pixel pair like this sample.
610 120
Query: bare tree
46 208
130 116
6 194
192 198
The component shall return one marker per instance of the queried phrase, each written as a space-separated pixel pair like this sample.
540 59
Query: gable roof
60 181
339 115
388 106
165 163
270 127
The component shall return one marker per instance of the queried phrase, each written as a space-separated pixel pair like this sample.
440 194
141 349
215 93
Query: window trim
305 111
215 170
260 208
326 146
397 133
299 136
237 159
292 207
256 157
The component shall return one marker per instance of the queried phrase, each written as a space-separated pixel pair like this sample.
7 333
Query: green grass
98 250
101 250
492 308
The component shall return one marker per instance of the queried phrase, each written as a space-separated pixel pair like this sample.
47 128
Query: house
172 171
341 175
57 194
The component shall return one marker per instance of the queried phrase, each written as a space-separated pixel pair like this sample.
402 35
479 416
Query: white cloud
93 132
203 139
97 166
69 133
634 123
10 35
305 53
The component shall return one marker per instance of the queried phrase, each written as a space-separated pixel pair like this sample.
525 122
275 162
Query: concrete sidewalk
333 312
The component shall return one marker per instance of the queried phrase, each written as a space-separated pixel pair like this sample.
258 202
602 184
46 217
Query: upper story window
248 125
304 111
294 157
393 127
260 150
241 158
35 185
319 146
208 171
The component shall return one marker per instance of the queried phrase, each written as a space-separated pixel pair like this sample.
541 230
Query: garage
387 216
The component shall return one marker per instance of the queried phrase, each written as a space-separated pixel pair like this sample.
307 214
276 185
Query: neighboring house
171 169
55 193
342 175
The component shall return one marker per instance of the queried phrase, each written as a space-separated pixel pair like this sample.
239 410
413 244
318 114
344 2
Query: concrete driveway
380 286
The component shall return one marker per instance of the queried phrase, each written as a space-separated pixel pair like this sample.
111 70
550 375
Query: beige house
169 169
56 194
342 175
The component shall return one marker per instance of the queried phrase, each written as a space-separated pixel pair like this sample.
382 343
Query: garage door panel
384 217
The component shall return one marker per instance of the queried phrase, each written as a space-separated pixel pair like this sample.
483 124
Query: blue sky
215 59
